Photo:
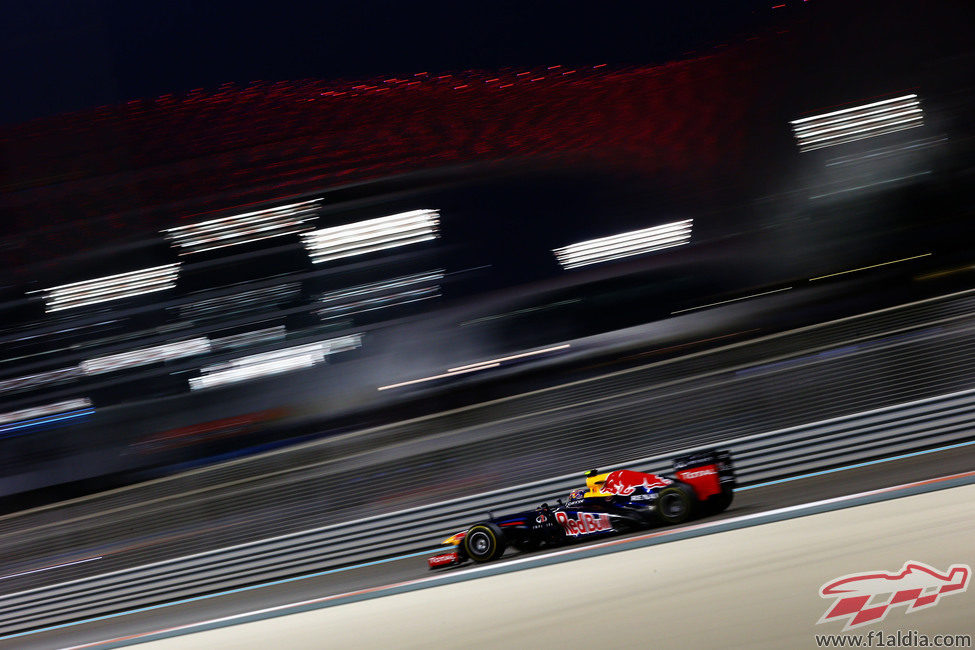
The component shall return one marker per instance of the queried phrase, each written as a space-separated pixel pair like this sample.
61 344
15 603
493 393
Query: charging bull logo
623 482
916 585
586 524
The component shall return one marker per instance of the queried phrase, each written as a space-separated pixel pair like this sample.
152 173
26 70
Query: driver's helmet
578 493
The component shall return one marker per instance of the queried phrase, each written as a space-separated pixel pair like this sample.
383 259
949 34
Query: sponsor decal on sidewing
586 524
698 473
444 559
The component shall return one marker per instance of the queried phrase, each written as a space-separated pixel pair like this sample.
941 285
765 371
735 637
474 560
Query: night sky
64 55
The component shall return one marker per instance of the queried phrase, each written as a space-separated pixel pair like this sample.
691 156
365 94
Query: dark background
62 55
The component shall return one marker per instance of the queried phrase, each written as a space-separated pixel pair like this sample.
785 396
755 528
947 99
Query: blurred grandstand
207 275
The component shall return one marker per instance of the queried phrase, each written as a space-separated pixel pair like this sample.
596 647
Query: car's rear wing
708 472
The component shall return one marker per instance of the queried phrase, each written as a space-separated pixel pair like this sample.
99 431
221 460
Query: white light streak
46 409
112 287
867 186
243 301
627 244
243 228
380 295
249 338
49 567
872 266
858 122
441 376
886 152
39 379
372 235
725 302
509 358
474 367
272 363
145 356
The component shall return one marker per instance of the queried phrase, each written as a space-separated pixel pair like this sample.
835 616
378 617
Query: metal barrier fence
880 359
804 447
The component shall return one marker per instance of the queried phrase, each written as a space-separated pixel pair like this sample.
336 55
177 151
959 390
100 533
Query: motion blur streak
371 235
441 376
272 363
872 266
49 419
725 302
858 123
47 409
111 287
48 568
474 367
380 295
240 302
144 356
481 364
855 188
249 338
243 228
625 244
886 152
39 379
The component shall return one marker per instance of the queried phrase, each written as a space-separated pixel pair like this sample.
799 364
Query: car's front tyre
484 542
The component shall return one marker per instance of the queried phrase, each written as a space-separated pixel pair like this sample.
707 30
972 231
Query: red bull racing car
612 502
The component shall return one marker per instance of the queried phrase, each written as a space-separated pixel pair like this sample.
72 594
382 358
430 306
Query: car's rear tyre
674 505
484 542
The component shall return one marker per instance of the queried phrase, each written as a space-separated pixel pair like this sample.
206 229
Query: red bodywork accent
703 479
444 559
624 481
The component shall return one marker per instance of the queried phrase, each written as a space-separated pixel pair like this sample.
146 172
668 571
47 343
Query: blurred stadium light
273 362
243 228
112 287
858 123
624 244
144 356
46 414
893 151
249 338
45 378
379 295
243 301
372 235
477 366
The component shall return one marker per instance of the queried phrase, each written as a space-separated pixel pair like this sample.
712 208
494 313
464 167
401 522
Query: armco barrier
936 420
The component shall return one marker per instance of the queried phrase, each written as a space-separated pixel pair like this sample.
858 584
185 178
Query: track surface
748 501
755 587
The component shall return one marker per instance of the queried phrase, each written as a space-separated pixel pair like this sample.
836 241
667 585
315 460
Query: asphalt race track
749 501
753 588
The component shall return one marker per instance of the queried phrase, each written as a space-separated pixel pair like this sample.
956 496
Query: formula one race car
612 502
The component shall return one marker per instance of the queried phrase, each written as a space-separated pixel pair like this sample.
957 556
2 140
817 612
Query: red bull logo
865 598
586 524
624 482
